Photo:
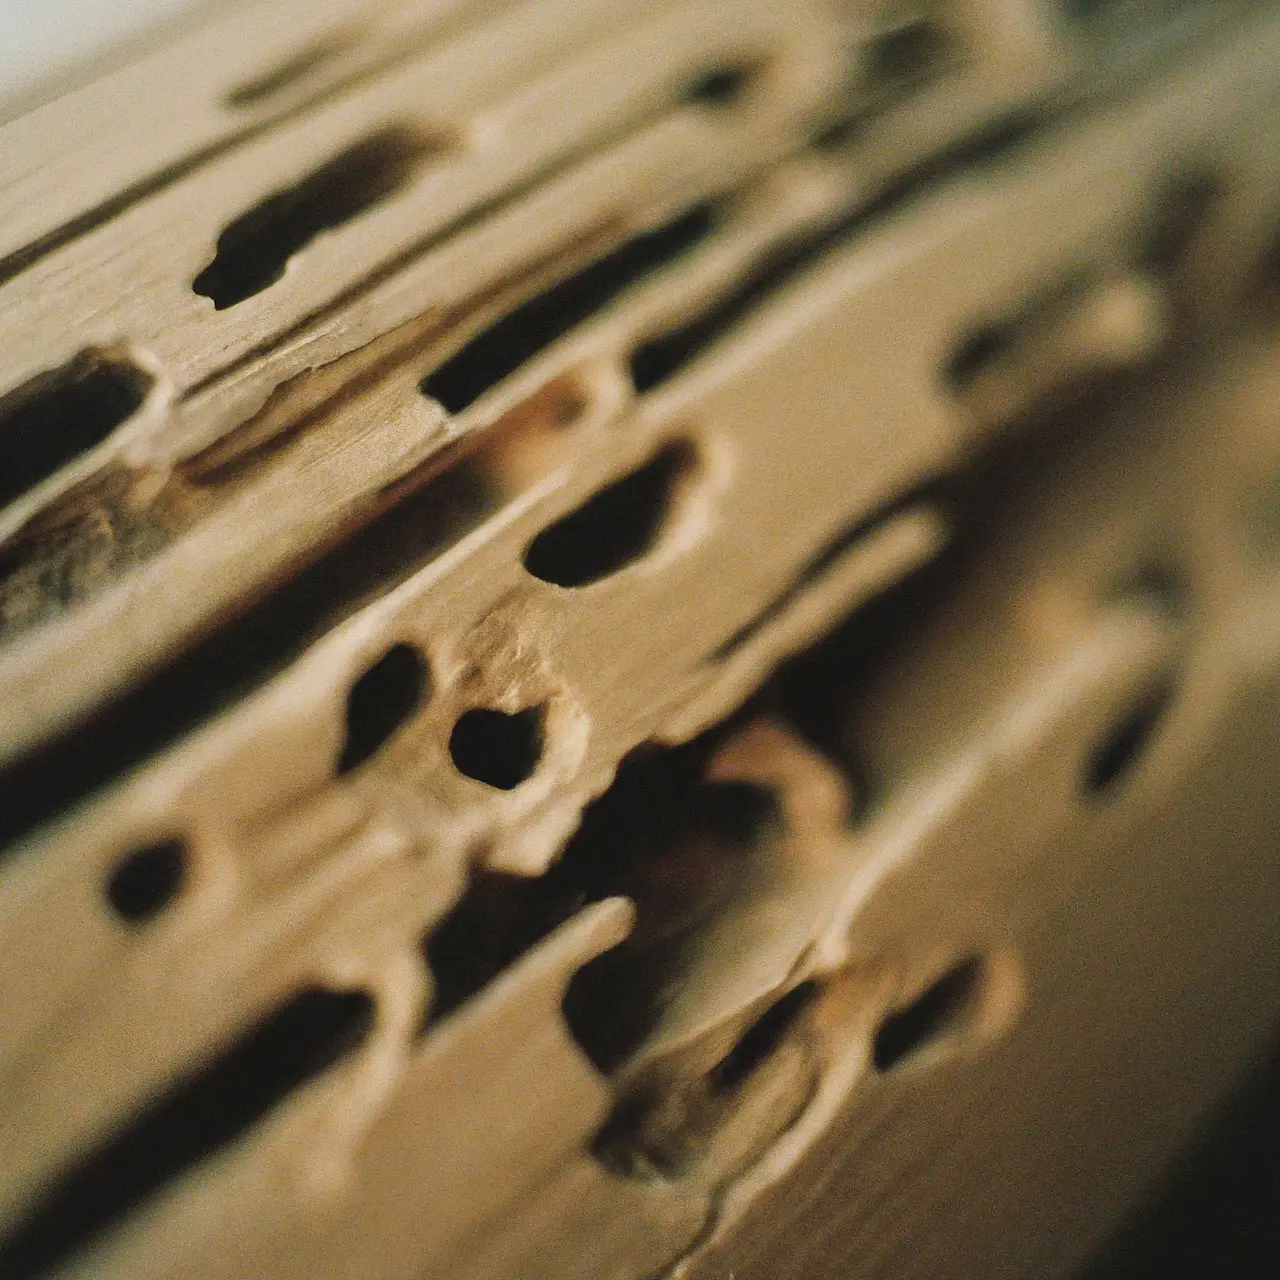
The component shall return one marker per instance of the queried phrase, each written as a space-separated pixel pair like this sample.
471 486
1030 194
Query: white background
47 46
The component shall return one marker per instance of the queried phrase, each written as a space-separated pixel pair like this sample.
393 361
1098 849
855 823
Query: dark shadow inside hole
863 529
197 1117
254 250
623 1143
906 52
1262 285
499 748
243 652
762 1038
1182 209
680 851
937 1012
289 72
147 880
659 358
1157 583
516 338
497 920
60 415
661 836
426 513
977 353
721 86
614 527
1122 748
383 699
663 1127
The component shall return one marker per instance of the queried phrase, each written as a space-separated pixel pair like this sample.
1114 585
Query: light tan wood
808 336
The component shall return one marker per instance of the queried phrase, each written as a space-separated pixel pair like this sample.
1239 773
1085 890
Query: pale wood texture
708 626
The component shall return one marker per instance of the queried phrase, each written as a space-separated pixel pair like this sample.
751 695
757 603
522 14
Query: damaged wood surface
635 640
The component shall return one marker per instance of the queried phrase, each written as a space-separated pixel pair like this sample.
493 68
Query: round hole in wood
146 880
498 748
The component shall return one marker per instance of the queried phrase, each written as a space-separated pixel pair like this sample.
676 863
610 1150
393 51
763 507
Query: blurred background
48 45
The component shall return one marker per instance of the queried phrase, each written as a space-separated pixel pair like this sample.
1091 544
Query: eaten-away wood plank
691 693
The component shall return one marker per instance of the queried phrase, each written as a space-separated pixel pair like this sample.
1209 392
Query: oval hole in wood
146 880
614 527
976 353
514 339
254 250
722 86
940 1011
761 1038
60 415
1124 745
381 701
